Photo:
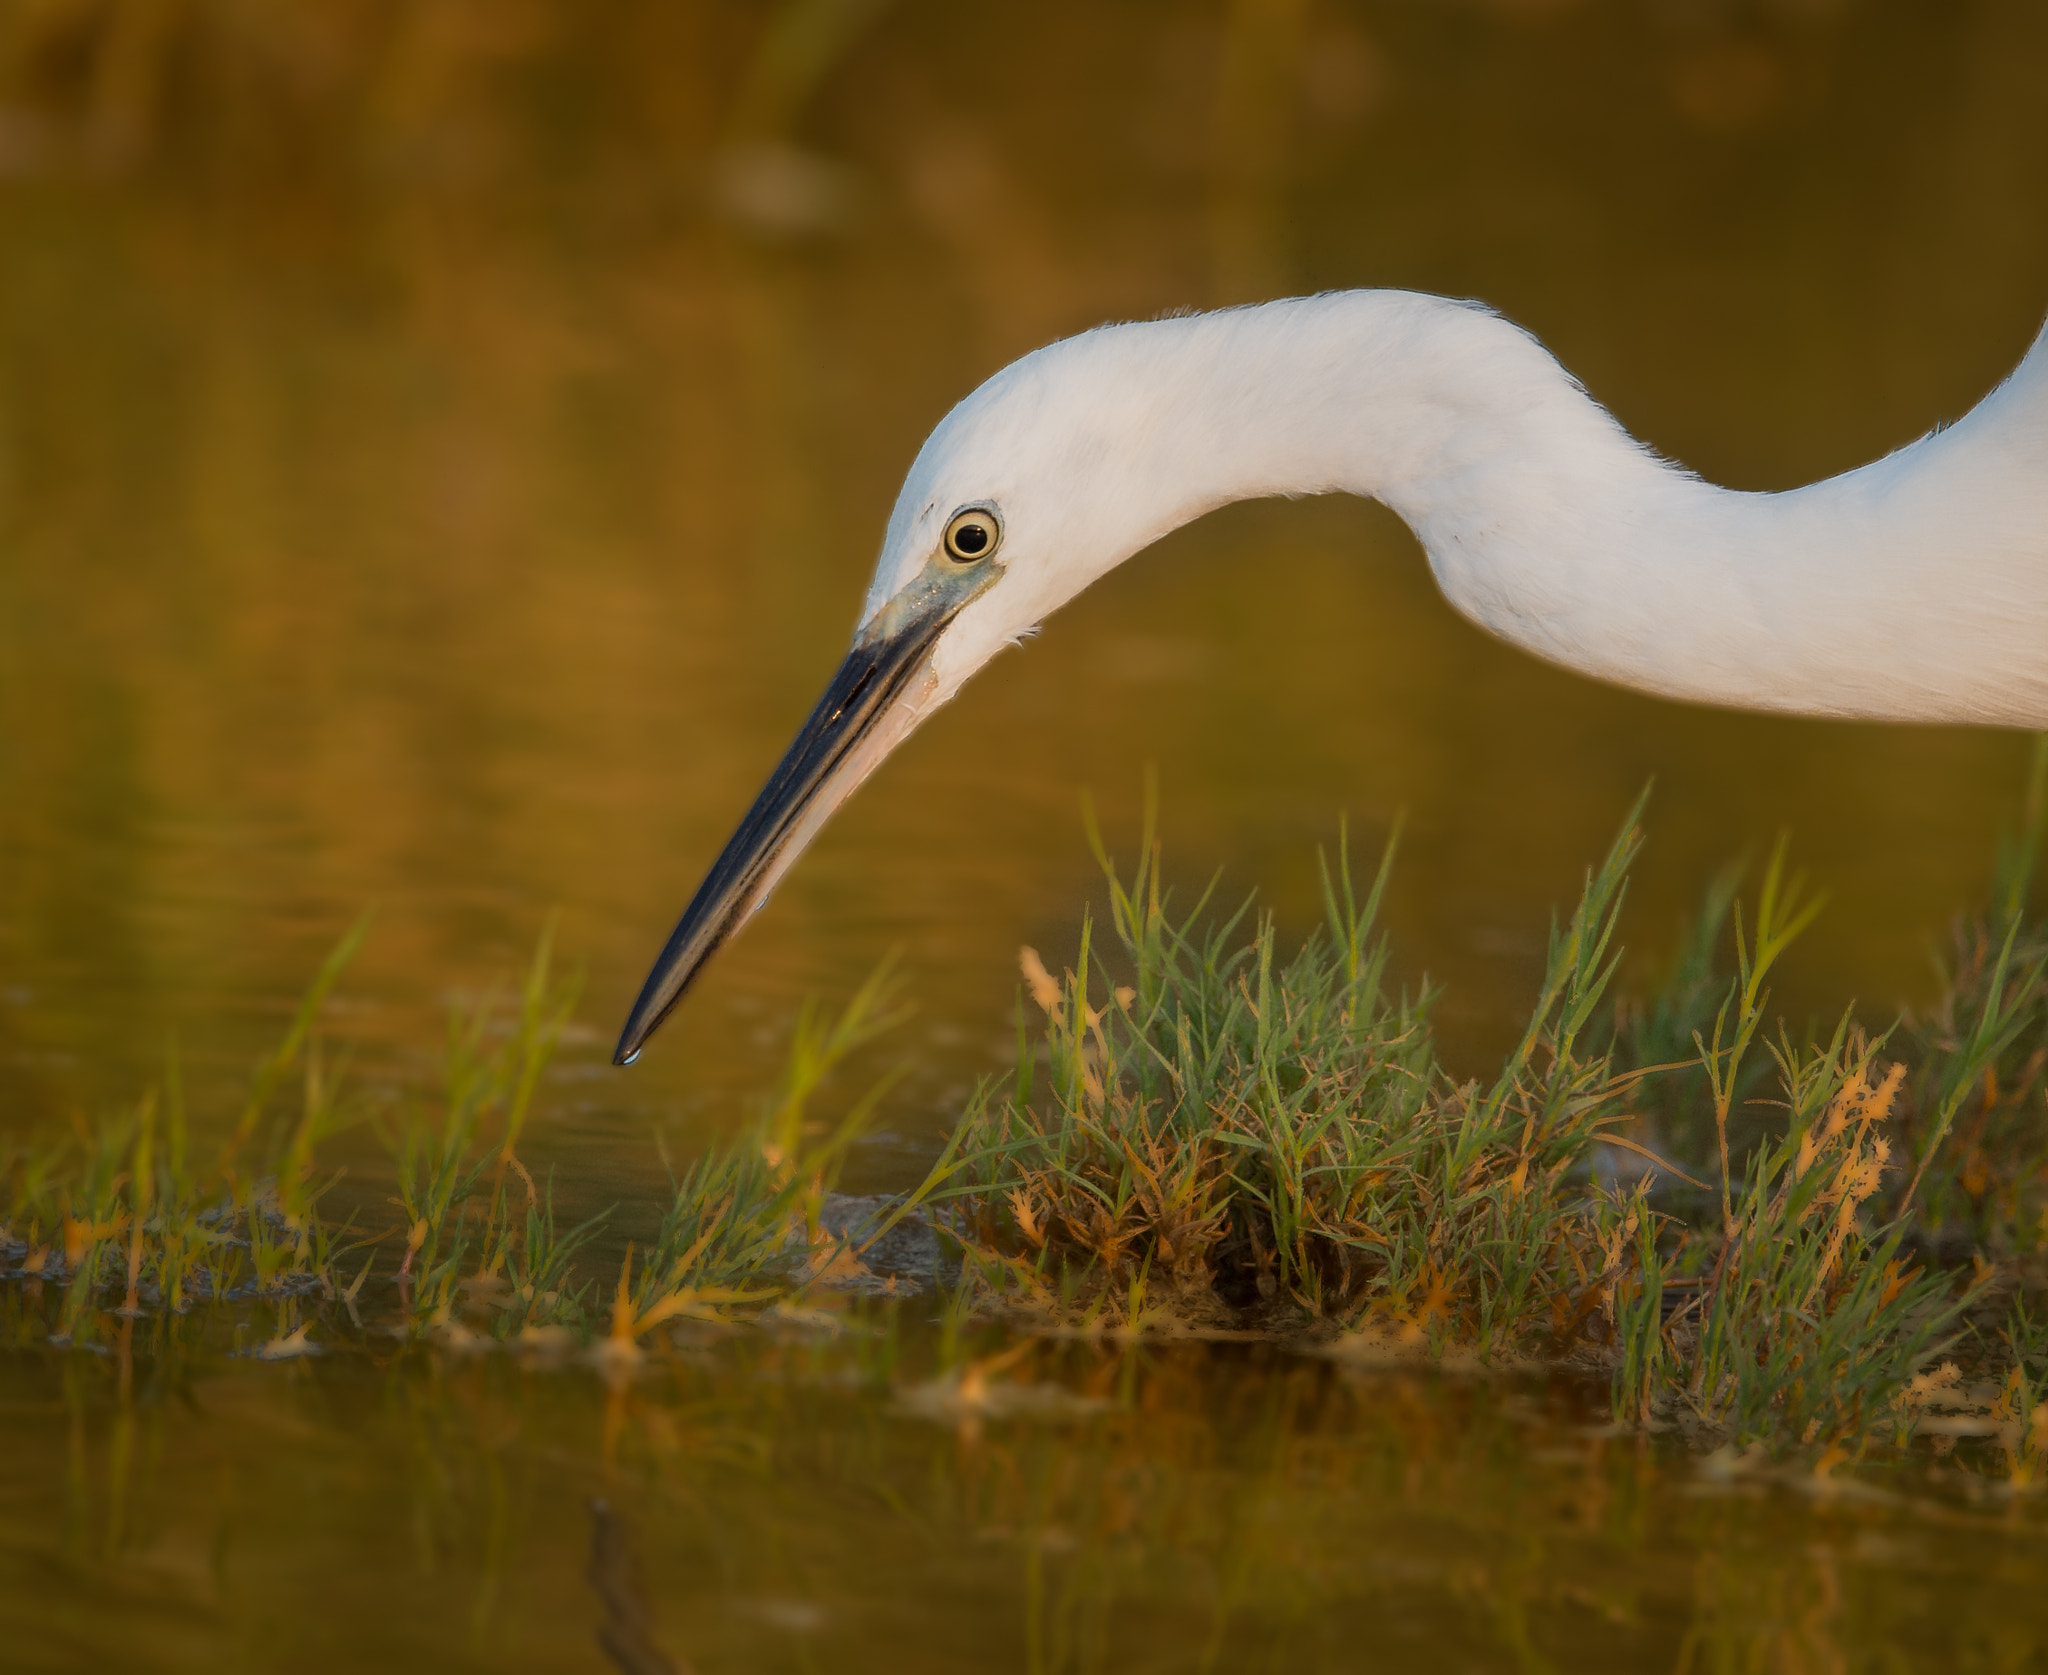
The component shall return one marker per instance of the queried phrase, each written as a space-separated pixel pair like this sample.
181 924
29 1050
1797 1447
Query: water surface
441 452
783 1508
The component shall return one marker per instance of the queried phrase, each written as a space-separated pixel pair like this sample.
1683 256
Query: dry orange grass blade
1044 988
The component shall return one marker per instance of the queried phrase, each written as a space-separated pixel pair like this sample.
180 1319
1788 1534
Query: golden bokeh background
442 444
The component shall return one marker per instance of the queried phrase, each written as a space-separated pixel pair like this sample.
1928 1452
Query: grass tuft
1229 1131
1761 1239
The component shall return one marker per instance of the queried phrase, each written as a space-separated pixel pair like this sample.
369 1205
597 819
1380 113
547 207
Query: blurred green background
443 442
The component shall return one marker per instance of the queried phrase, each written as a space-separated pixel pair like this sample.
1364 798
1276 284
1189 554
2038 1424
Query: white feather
1915 588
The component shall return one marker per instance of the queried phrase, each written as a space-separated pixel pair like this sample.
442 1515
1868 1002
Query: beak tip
874 677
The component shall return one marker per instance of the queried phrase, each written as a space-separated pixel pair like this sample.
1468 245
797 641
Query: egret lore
1913 589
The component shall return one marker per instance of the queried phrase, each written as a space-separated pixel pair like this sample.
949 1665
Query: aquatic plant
1227 1129
480 1231
1203 1135
121 1216
1975 1119
1797 1318
2021 1409
125 1205
744 1220
1225 1138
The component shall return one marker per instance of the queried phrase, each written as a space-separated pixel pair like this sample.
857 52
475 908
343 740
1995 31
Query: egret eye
972 536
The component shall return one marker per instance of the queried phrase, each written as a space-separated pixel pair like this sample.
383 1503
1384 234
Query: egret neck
1912 589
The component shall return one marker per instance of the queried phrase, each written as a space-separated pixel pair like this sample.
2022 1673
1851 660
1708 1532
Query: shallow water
439 463
794 1499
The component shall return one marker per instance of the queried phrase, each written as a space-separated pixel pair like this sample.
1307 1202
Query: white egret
1913 589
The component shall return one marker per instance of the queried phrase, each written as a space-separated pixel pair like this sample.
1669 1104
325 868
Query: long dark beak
878 672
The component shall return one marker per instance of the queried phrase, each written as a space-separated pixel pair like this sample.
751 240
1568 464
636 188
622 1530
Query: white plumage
1913 589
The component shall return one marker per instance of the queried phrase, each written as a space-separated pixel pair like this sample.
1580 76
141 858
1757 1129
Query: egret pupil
971 536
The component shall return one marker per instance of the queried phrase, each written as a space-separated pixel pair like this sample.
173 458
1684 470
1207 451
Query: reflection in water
765 1502
627 1632
424 485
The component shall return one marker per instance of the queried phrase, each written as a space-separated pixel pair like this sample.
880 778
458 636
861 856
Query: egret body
1912 589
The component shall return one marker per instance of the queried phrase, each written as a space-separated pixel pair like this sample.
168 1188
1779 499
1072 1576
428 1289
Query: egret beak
869 708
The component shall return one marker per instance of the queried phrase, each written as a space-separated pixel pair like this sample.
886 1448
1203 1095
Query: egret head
1030 489
1542 519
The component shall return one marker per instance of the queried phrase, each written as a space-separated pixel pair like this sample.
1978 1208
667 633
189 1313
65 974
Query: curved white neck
1915 588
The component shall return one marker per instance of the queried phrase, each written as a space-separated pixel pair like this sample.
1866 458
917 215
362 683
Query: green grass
1205 1134
1230 1132
1733 1226
126 1204
1973 1123
123 1219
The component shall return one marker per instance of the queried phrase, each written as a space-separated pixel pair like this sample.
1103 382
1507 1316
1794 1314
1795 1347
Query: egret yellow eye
972 536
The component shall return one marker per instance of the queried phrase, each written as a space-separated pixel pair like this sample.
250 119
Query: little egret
1913 589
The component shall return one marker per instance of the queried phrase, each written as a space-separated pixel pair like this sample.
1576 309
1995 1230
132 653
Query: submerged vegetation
1754 1238
131 1218
1222 1138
